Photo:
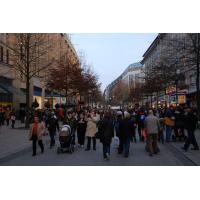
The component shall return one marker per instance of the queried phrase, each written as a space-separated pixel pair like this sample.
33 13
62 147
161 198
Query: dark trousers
35 145
52 137
126 146
106 150
89 142
7 122
120 148
81 137
191 139
13 124
140 133
73 137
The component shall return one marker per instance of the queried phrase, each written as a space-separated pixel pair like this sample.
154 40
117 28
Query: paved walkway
190 154
14 141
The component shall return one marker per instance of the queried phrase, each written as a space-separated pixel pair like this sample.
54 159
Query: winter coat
40 131
152 124
52 124
81 126
117 122
7 114
191 121
106 130
92 126
126 128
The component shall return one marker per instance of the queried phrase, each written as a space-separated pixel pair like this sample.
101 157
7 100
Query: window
7 56
1 53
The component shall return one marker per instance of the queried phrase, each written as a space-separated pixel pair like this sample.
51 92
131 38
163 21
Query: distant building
131 75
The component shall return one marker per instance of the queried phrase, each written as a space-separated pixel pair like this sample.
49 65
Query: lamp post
176 82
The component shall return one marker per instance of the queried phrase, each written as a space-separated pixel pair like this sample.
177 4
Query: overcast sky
111 53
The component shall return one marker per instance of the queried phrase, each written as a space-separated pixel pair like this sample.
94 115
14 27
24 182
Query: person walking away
13 118
36 132
169 123
140 117
106 131
152 125
91 130
179 125
52 129
81 129
126 128
7 116
161 131
118 133
191 122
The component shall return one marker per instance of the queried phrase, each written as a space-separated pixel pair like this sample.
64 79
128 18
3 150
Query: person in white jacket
91 129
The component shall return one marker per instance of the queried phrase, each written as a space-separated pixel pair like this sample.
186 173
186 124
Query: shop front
37 95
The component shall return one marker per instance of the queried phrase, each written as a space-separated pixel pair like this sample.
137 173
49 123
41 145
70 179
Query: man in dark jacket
126 128
106 131
191 121
52 124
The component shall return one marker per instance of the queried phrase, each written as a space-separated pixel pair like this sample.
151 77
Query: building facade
182 89
119 89
13 83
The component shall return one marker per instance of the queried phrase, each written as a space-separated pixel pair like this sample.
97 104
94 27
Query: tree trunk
27 83
197 79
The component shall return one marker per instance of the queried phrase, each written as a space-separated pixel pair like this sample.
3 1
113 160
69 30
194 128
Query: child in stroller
66 140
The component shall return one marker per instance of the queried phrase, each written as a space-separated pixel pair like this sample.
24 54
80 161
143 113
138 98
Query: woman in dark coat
106 131
81 129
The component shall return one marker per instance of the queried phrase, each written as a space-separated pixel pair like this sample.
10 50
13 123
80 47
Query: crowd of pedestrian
7 117
149 126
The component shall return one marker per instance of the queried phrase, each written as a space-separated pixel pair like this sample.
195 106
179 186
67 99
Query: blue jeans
126 146
168 133
106 149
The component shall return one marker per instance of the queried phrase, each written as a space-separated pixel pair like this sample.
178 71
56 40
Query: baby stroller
65 138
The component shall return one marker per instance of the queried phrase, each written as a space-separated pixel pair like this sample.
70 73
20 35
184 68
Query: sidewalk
15 141
190 154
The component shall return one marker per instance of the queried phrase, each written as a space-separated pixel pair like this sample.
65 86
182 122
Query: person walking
152 126
126 128
52 129
106 132
118 133
91 130
191 122
7 116
13 118
140 117
81 129
169 123
36 131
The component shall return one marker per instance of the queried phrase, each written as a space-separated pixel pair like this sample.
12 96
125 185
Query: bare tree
29 58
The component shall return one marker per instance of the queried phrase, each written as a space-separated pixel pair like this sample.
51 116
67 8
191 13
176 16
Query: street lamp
176 82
